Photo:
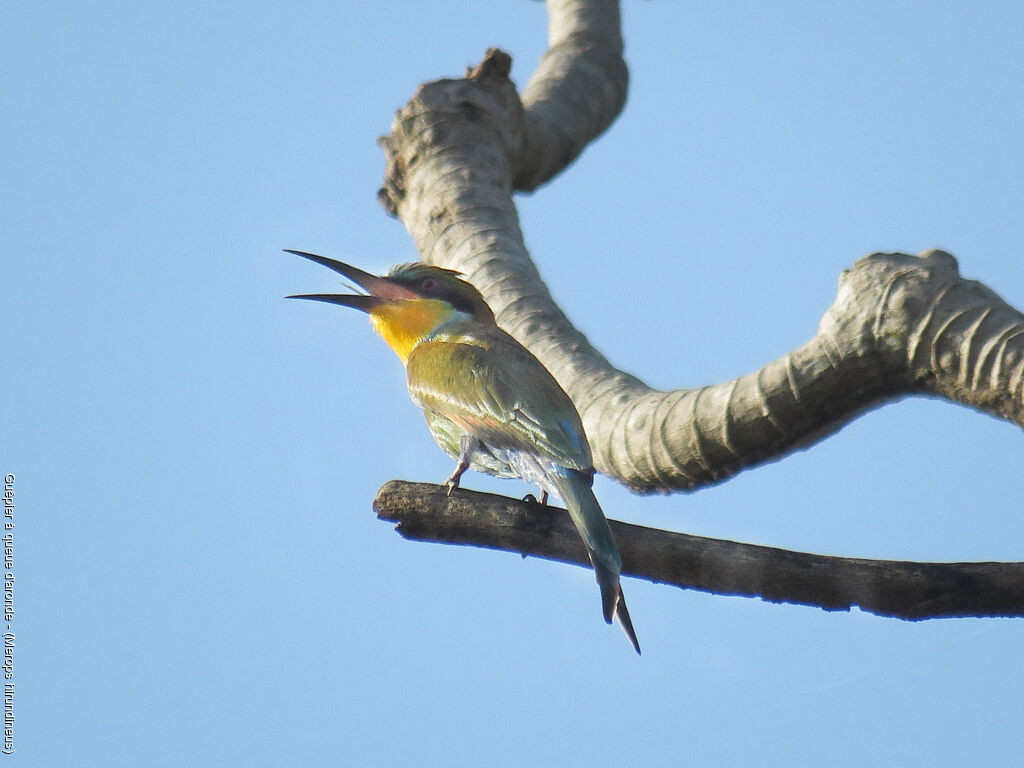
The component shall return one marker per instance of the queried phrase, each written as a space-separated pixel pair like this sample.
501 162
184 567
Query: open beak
380 290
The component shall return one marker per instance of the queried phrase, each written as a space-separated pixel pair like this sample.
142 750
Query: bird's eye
428 284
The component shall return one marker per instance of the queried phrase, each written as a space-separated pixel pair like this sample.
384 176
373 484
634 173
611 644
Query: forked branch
900 324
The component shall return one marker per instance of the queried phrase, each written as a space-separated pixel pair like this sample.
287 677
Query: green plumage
489 403
487 383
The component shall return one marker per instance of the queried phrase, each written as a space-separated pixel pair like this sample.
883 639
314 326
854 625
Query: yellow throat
404 324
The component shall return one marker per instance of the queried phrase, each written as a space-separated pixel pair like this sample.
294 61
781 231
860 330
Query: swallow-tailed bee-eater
489 403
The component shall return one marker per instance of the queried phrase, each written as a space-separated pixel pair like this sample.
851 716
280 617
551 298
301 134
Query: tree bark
900 325
903 590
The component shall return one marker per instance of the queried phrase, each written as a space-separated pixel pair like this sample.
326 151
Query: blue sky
200 578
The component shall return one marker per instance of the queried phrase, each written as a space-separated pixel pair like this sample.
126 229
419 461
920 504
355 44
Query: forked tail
575 489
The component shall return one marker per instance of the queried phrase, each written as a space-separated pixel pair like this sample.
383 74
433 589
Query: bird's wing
496 390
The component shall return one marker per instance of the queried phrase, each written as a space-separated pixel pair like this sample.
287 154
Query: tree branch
578 90
904 590
900 324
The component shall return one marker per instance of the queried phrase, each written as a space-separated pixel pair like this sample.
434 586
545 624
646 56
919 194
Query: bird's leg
453 479
467 445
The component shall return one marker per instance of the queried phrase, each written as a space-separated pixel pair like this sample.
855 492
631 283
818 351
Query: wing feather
494 388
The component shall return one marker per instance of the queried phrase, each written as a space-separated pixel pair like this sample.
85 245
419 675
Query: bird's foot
451 484
531 499
460 467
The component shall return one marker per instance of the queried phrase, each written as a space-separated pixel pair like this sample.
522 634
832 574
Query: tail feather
626 623
608 581
574 488
614 603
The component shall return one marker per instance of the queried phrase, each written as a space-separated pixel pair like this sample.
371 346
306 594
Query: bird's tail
575 489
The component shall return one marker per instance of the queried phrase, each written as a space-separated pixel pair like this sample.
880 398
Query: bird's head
407 304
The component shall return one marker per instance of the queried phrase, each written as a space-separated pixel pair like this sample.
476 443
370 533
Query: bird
488 402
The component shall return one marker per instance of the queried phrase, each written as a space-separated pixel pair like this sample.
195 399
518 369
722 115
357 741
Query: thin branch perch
904 590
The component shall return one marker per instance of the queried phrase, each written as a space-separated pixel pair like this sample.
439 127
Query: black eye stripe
460 304
436 289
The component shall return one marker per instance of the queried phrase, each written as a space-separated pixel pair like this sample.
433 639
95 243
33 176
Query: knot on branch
495 63
473 126
930 330
881 296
